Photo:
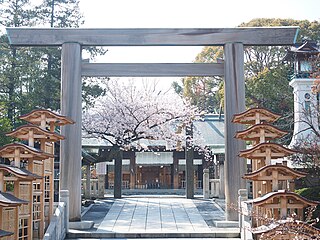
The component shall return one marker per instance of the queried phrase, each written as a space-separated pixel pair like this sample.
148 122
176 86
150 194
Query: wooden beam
189 151
117 189
152 69
152 36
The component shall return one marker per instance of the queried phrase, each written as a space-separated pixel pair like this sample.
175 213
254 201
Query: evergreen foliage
30 76
267 76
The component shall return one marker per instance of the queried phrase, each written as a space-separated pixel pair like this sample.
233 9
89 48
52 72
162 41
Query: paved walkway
134 217
139 215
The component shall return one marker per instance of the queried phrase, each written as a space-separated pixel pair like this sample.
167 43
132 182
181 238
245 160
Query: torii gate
72 40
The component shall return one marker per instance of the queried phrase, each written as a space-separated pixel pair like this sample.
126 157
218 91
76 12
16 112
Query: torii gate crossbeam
72 41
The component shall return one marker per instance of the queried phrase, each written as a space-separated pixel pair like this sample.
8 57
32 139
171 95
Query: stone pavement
154 217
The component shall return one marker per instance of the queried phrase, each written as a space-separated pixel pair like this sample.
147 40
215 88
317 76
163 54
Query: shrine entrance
72 40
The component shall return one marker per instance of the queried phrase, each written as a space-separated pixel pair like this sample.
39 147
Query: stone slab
83 225
226 224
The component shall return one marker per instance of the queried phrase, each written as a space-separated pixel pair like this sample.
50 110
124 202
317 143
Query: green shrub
312 193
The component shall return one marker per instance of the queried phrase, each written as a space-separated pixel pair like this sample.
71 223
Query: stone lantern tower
305 102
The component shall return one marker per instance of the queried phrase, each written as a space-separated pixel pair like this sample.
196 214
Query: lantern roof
264 173
25 151
304 49
7 199
22 132
19 172
255 115
38 115
265 199
5 233
254 132
259 151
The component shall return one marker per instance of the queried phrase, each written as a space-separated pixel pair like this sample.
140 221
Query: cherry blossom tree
129 114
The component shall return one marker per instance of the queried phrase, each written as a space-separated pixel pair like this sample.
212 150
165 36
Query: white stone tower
305 101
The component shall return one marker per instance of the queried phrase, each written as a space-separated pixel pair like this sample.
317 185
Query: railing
214 187
125 185
59 224
93 187
245 219
197 184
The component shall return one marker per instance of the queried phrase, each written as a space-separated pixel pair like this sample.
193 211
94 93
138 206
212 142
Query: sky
183 14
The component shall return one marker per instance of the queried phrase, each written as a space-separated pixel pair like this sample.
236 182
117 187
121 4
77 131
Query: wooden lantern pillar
25 189
47 120
270 200
32 134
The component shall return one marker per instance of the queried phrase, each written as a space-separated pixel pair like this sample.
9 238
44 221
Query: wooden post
30 210
221 177
65 197
133 171
118 175
88 183
222 180
101 185
17 158
1 182
206 192
189 164
70 150
175 172
234 102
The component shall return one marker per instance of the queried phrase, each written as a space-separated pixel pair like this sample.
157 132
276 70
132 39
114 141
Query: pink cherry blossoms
129 116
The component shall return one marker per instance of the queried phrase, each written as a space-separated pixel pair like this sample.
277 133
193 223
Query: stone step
226 224
217 233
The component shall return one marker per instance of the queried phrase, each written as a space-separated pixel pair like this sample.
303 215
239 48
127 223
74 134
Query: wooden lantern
32 175
22 180
272 197
9 214
47 120
32 159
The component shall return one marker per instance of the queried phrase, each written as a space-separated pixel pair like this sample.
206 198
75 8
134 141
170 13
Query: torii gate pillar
70 149
234 102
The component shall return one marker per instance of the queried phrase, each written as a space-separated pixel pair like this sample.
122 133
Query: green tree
203 92
15 63
267 76
5 125
29 76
